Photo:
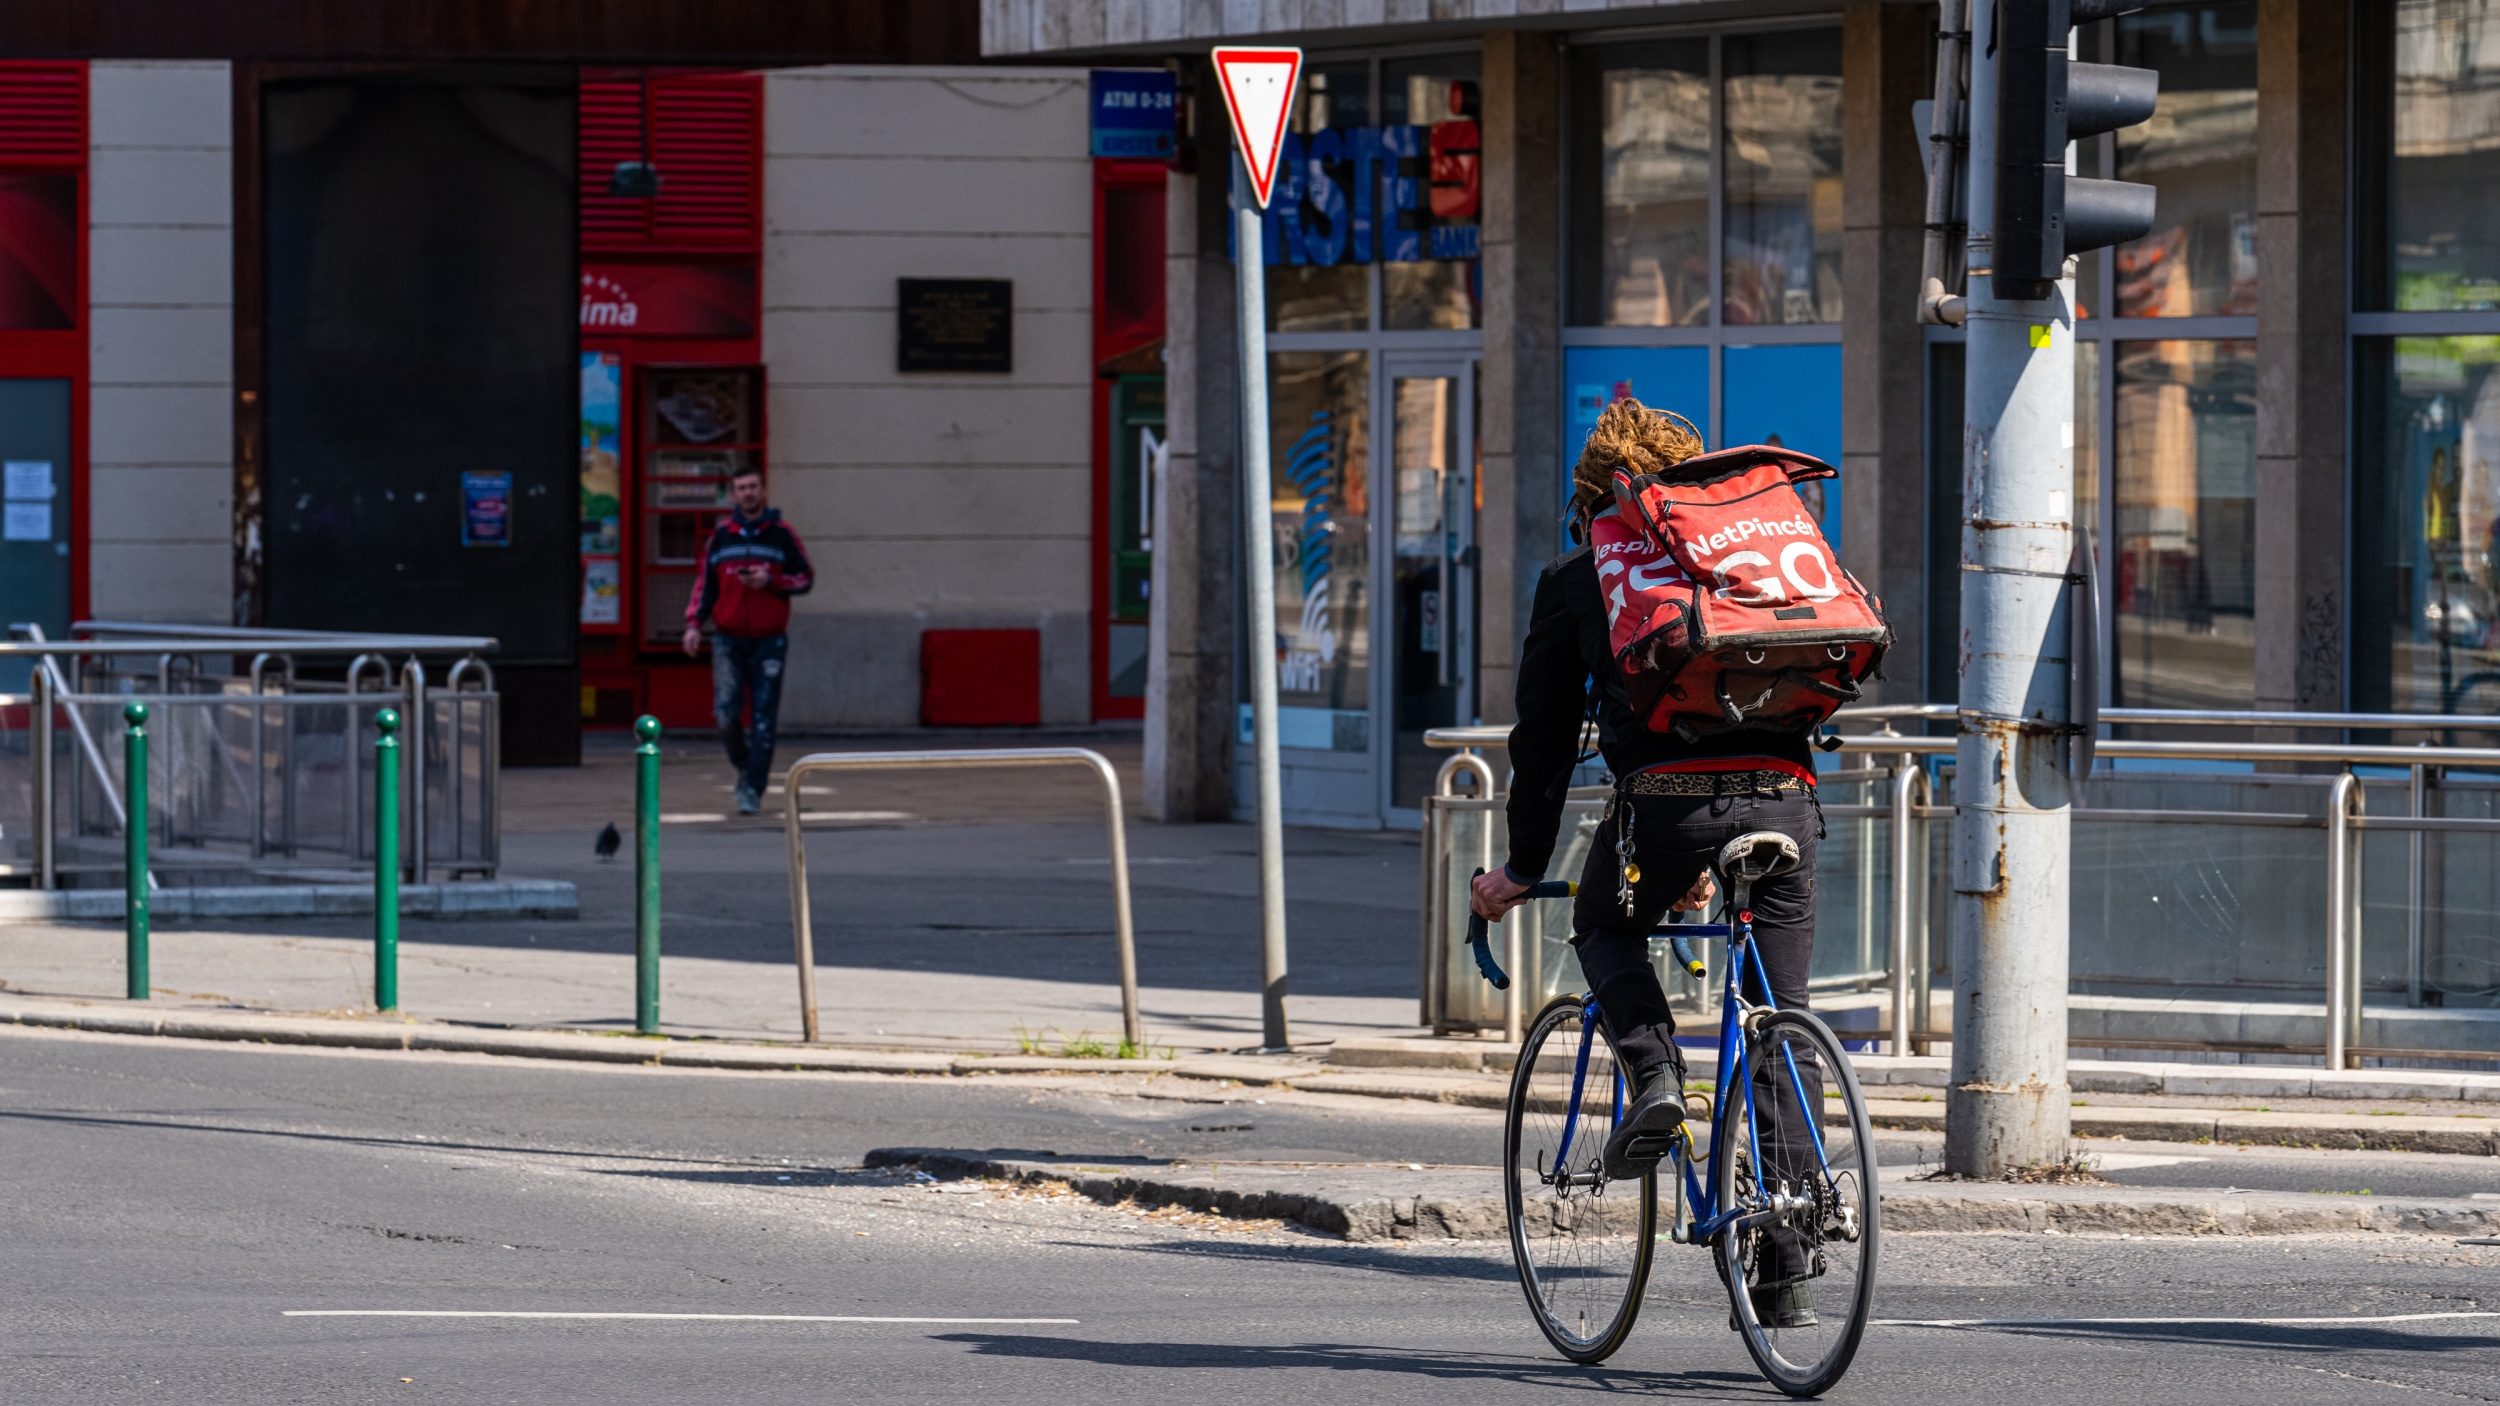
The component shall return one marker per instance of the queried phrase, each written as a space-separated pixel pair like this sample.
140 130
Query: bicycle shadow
1347 1357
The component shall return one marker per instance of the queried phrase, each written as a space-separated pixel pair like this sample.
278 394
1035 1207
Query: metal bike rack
802 930
202 686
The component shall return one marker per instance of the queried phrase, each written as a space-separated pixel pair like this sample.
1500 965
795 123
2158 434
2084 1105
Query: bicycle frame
1709 1220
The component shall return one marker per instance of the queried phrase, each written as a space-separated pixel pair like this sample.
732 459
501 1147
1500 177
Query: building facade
1495 216
266 329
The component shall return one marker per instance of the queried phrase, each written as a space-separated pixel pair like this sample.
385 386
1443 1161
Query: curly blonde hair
1630 438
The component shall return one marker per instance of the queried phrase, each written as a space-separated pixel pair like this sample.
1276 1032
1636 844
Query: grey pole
1257 501
2008 1104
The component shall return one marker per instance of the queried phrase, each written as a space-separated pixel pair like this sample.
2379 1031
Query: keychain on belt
1628 870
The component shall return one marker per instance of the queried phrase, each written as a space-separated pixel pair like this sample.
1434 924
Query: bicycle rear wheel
1582 1243
1802 1154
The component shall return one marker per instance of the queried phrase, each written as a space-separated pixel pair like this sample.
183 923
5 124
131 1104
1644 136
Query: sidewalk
954 910
962 925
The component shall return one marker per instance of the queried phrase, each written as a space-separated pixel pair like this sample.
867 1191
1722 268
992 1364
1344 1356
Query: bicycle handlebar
1479 934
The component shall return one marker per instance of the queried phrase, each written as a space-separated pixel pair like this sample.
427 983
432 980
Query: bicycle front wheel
1582 1243
1800 1168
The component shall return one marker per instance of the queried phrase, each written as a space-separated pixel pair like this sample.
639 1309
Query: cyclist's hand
1697 897
1495 893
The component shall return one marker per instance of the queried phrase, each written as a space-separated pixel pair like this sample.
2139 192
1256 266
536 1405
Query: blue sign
1135 113
1400 194
485 509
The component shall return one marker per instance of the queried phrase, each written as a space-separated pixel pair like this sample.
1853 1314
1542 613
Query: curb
663 1052
2085 1076
2401 1132
496 898
1375 1204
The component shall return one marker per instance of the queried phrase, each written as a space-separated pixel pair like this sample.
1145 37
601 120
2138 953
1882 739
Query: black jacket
1566 647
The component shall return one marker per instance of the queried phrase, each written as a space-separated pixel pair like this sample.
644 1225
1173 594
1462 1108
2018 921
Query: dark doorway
420 333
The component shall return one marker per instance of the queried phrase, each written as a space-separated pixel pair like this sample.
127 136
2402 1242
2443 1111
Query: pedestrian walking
749 567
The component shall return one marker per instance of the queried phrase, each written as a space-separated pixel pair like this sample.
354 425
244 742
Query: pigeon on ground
607 843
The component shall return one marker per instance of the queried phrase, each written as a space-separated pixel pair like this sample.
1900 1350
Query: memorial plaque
955 324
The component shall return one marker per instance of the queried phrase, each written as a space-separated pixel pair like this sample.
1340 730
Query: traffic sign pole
1259 88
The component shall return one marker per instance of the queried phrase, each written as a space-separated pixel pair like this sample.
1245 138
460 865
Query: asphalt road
172 1205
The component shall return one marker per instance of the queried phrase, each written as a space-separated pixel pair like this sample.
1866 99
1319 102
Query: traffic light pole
2008 1104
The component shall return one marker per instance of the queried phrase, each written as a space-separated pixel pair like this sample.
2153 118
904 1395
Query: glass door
1431 578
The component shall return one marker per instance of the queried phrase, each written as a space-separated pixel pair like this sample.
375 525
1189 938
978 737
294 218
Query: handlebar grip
1684 956
1480 936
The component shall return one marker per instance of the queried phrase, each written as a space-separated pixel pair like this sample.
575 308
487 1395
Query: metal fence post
41 739
1907 784
412 759
135 852
386 861
2340 939
647 876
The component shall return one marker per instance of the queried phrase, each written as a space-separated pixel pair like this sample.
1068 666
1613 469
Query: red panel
981 678
43 114
703 132
610 118
707 139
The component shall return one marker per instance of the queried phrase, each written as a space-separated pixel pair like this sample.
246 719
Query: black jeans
746 678
1675 838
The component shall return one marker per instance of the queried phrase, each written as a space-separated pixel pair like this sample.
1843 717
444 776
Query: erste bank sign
1402 193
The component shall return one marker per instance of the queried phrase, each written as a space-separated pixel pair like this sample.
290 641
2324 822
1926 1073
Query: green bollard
386 861
647 876
135 850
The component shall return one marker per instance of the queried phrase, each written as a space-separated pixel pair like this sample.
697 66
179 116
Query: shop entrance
1430 554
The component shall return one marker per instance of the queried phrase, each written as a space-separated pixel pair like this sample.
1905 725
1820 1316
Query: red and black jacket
725 599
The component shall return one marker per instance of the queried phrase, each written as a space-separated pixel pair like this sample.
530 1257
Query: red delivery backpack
1724 605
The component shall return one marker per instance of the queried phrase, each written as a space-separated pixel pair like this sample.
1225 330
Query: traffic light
2043 102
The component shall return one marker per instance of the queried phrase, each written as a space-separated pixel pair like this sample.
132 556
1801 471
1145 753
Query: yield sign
1258 92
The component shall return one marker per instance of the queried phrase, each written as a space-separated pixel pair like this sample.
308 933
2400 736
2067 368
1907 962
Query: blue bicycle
1784 1194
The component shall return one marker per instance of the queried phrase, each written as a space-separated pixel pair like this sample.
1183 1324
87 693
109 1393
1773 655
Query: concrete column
1520 379
2303 47
1193 636
1886 53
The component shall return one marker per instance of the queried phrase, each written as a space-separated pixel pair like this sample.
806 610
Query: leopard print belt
1712 783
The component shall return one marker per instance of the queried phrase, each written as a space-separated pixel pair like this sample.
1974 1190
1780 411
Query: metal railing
1901 769
259 769
801 924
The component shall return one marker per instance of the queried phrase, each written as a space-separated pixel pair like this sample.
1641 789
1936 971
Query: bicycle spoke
1808 1169
1582 1242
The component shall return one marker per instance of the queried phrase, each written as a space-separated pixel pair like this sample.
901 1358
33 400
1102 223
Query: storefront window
1782 155
1444 288
1320 428
2426 531
2183 578
1640 185
2427 154
1314 182
2199 153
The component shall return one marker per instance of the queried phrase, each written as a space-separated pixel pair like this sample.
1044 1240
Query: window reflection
1782 155
2427 530
1320 428
1640 185
1313 297
2183 578
2199 152
1442 95
2427 153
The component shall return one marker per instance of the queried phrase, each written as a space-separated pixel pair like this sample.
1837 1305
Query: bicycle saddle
1761 854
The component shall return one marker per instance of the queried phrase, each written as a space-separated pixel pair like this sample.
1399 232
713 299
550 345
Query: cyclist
1680 800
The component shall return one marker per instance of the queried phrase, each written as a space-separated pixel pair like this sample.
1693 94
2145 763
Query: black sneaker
1649 1129
1784 1305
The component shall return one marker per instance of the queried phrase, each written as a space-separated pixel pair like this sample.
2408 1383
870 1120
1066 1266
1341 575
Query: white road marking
656 1317
2352 1322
